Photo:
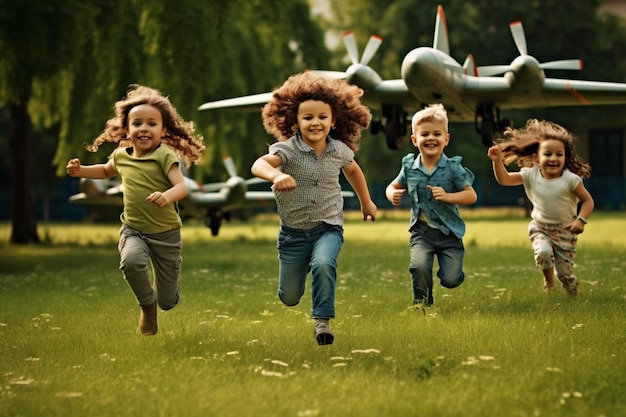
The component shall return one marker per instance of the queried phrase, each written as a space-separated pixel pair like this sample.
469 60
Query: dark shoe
148 320
323 334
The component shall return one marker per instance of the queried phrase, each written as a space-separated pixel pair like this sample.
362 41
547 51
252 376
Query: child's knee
452 283
544 257
168 304
288 301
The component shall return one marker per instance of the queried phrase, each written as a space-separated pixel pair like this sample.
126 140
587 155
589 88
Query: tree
38 40
64 63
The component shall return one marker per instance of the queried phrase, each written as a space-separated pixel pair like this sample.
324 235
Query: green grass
495 346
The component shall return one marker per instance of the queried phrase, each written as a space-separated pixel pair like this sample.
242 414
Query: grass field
495 346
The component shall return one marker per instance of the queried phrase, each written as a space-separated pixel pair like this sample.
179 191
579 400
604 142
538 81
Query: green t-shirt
140 178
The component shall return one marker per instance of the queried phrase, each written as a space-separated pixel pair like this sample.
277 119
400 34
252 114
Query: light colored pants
163 252
554 246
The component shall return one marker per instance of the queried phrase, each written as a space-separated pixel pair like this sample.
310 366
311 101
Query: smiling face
551 158
145 128
430 137
315 119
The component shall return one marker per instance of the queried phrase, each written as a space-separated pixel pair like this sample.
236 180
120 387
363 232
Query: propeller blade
441 41
517 30
566 64
490 70
353 50
469 67
371 48
230 166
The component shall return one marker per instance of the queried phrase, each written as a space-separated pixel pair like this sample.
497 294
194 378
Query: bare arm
466 196
500 172
266 167
176 192
356 178
394 192
586 208
97 171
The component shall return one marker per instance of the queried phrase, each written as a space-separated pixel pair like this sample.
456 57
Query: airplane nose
420 68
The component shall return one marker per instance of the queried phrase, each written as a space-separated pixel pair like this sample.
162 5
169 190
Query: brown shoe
148 320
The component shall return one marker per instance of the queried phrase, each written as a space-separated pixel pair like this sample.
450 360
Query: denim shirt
448 174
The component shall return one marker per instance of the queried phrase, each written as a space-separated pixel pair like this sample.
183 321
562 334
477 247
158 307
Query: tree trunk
23 216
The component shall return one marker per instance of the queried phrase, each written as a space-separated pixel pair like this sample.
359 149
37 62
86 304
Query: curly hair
521 145
180 135
280 114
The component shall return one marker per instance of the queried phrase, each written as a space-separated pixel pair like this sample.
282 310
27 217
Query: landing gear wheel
395 130
213 221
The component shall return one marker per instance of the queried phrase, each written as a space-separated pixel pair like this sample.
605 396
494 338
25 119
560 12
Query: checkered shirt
317 197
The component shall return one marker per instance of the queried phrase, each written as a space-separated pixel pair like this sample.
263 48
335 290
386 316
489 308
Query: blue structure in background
609 193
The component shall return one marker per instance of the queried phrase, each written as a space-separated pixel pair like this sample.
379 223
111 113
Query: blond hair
433 113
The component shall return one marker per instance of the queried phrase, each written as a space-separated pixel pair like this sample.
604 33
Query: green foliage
495 343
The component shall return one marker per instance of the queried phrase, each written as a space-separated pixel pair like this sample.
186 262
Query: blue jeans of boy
426 242
315 250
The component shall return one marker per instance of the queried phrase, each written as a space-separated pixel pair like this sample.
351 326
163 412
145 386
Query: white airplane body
469 93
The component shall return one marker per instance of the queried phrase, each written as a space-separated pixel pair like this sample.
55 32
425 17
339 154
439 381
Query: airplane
469 93
212 202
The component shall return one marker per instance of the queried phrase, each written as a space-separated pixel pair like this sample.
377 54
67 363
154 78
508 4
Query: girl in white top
551 173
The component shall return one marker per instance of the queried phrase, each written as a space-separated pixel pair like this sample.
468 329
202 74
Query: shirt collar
302 146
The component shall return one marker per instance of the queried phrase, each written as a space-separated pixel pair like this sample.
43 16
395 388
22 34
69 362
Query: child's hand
369 210
494 153
395 195
284 182
438 192
73 167
576 227
158 199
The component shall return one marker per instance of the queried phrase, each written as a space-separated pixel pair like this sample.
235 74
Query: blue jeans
315 250
425 243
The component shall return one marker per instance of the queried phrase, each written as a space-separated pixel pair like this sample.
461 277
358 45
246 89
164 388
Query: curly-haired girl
153 184
551 173
317 124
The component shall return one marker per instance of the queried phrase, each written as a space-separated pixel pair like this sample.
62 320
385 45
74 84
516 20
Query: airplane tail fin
441 32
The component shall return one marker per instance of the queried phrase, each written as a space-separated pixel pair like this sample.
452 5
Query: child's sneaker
323 334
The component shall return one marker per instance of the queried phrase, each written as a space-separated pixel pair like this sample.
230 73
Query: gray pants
163 251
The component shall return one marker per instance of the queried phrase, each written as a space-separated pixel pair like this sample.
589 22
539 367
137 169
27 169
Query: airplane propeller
517 30
358 73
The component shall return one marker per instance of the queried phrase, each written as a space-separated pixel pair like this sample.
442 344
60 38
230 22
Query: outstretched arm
503 176
97 171
356 178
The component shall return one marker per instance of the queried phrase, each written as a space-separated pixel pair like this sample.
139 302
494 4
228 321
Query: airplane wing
100 192
252 103
97 200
